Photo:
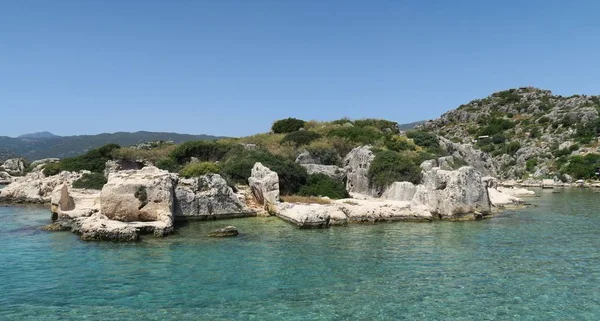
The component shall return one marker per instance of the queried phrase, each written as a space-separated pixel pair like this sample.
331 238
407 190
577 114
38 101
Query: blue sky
233 67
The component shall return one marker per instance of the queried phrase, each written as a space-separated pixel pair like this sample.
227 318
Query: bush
360 135
206 151
287 125
91 181
327 155
168 164
300 138
398 143
512 148
291 175
93 161
495 126
199 169
51 169
543 120
424 139
531 164
380 124
323 185
582 167
389 167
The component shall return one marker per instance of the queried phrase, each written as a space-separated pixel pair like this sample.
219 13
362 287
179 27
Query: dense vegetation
287 125
199 169
323 185
390 166
93 161
90 181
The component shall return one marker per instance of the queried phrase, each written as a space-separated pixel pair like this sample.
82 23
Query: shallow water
540 263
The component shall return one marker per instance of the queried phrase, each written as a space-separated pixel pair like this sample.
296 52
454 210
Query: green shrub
51 169
291 175
398 143
168 164
531 164
199 169
90 181
287 125
543 120
323 185
582 167
380 124
389 167
510 96
424 139
495 126
93 161
498 139
360 135
300 138
512 147
206 151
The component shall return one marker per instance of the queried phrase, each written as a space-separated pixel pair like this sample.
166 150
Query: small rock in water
225 232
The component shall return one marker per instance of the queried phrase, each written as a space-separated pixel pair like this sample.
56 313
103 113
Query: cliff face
529 132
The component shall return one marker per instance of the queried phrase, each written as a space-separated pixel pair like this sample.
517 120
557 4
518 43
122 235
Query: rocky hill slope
529 132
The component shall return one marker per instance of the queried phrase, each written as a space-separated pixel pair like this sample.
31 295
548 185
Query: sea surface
539 263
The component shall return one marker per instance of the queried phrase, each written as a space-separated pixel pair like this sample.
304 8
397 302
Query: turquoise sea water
540 263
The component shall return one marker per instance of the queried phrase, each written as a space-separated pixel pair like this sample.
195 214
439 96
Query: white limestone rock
14 167
332 171
458 194
400 191
208 196
68 203
357 164
139 195
264 184
35 187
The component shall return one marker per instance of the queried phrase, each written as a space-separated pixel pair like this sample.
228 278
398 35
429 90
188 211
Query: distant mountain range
45 145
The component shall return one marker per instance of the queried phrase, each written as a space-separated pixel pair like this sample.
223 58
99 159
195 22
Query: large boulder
459 194
14 167
306 157
332 171
357 164
35 187
264 184
400 191
139 195
98 227
208 196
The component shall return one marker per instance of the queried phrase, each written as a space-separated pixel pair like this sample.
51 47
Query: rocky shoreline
148 200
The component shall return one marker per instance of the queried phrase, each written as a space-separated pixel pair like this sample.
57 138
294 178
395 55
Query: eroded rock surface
357 164
14 167
265 185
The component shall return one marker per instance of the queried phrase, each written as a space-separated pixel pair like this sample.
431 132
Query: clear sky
228 67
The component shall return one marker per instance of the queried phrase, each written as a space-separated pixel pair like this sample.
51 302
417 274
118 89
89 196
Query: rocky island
464 166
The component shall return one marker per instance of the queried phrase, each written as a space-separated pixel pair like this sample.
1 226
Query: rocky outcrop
39 164
113 166
306 157
36 188
98 227
208 197
500 199
5 178
400 191
139 195
68 203
14 167
357 164
228 231
481 161
264 184
455 195
332 171
346 211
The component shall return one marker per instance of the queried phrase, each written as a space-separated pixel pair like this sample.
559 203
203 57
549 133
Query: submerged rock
98 227
228 231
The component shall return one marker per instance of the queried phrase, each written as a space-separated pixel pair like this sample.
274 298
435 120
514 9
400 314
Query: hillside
530 132
44 145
